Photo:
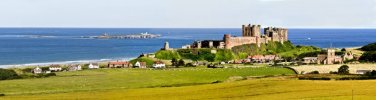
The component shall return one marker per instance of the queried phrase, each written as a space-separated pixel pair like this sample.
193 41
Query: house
348 56
93 66
257 58
263 58
271 58
310 60
74 68
119 64
37 70
329 58
159 64
140 64
55 68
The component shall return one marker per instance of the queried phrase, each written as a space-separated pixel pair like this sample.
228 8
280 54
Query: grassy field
280 88
334 68
113 79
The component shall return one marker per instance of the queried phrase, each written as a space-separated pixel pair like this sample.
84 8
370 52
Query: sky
188 13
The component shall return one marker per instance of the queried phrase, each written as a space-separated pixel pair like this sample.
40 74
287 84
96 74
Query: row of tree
370 53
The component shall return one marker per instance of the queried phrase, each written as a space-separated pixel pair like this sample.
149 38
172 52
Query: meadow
115 79
280 88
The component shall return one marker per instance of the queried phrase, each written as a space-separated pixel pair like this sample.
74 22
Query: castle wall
236 41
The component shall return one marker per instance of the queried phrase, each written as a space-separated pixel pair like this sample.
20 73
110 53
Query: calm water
64 45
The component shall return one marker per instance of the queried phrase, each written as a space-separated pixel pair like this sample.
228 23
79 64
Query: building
93 66
37 70
329 57
263 58
166 46
251 34
159 64
55 68
348 56
310 60
140 64
74 68
119 64
362 71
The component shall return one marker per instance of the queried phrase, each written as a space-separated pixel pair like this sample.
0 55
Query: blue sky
188 13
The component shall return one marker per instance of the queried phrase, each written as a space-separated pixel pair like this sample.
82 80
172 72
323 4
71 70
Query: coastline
65 62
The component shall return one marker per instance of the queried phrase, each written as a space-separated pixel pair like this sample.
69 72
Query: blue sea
34 46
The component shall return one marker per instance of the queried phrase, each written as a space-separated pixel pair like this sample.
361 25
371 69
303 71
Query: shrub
189 65
166 55
344 69
2 94
314 72
369 47
181 62
149 61
369 56
6 74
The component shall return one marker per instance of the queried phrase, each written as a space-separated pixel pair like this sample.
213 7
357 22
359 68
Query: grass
112 79
279 88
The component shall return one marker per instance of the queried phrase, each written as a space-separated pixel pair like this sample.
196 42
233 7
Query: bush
2 94
344 69
6 74
197 54
149 61
181 62
189 65
314 72
369 47
369 56
166 55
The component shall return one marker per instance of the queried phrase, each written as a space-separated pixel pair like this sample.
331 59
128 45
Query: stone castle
251 34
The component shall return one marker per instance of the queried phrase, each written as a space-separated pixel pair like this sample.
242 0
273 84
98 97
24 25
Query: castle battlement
251 34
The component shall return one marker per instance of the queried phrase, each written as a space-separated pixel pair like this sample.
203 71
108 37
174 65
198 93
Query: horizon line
206 27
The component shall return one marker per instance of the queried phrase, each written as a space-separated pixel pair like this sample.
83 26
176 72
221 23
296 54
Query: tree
343 50
344 69
7 74
181 63
174 62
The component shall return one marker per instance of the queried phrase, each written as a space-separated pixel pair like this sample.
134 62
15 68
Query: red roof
118 63
158 62
258 57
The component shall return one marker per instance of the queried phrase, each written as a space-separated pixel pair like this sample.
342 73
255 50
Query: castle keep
251 34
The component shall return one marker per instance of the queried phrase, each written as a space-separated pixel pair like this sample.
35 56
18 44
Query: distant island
145 35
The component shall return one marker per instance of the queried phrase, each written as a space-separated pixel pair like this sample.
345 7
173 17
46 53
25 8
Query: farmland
109 79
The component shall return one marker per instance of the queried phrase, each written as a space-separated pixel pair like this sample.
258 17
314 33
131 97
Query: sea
43 46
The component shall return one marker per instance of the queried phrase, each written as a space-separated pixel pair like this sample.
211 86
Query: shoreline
65 62
93 61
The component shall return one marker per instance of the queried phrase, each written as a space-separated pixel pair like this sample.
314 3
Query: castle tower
166 46
226 39
331 55
246 30
199 44
255 30
211 44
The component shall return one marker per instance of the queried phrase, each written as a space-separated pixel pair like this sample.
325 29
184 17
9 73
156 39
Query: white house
159 64
93 66
37 70
140 64
55 69
75 68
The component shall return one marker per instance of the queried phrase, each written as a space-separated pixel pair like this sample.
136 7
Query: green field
108 79
183 83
